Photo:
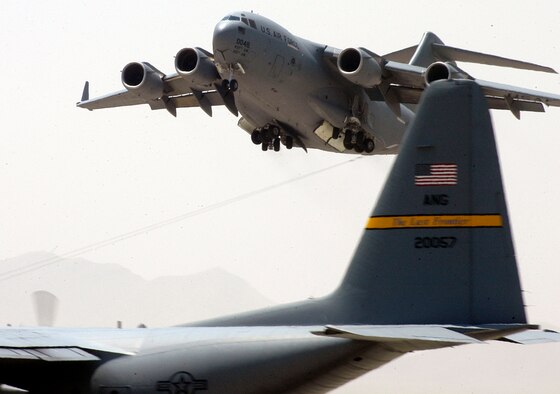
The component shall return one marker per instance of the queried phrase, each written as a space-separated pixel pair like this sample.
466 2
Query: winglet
85 93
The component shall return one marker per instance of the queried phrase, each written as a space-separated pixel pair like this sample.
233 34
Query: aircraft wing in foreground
296 92
435 268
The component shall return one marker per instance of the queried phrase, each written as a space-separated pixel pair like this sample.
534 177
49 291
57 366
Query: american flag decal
439 174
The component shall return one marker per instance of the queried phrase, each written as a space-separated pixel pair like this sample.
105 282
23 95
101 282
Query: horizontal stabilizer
416 333
447 53
531 337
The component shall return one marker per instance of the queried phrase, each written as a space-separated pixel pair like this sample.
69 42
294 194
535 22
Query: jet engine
360 67
143 79
196 67
442 71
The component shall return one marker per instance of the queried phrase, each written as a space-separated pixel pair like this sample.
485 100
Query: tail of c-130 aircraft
437 249
435 266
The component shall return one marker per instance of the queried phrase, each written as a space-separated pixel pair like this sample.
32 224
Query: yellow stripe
433 221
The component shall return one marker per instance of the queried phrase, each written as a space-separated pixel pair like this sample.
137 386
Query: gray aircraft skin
435 268
299 93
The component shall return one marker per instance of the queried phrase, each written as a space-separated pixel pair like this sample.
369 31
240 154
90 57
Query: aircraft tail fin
437 248
424 54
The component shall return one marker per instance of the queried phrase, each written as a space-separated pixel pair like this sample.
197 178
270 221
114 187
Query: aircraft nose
223 40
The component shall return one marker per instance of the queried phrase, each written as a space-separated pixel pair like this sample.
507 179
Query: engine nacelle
442 71
143 79
359 67
196 67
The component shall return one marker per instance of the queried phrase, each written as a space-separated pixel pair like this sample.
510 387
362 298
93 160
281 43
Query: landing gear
270 137
289 142
358 141
276 144
360 136
348 140
269 133
256 137
369 145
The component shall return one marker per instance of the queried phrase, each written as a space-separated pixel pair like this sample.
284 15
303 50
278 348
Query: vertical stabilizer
438 246
424 55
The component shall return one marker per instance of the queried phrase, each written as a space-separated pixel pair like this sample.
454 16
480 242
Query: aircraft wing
400 77
178 94
407 82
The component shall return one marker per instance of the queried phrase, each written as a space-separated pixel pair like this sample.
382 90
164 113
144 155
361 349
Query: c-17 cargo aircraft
299 93
435 268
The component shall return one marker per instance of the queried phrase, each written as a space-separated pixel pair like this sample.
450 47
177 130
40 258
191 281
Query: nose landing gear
228 70
230 85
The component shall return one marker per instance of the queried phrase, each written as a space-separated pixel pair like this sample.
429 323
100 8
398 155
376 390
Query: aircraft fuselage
284 80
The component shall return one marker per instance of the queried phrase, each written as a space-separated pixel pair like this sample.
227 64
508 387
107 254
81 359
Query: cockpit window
244 20
252 24
234 18
225 18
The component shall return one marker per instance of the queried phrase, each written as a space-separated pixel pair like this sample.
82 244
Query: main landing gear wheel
256 137
369 145
276 144
270 137
360 136
289 142
348 141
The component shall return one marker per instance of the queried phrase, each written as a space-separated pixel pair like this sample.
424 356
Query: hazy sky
71 178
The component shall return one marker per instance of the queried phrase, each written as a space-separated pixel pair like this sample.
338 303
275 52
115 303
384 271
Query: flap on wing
397 334
531 337
190 100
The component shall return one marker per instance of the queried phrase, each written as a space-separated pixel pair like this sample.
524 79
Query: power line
122 237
